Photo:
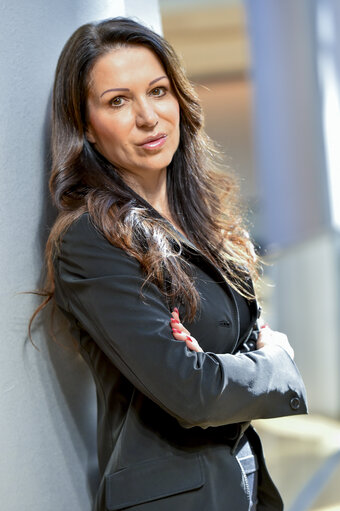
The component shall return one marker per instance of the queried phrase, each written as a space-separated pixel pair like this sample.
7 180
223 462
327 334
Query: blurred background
268 75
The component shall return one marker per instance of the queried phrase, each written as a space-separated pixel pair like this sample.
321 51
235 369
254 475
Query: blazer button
295 403
224 322
251 345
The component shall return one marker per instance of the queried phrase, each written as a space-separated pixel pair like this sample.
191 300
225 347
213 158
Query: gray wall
48 411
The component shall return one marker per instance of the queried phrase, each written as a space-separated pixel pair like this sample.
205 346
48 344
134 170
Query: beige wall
228 105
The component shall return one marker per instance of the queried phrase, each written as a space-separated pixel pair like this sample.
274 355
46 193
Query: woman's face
131 100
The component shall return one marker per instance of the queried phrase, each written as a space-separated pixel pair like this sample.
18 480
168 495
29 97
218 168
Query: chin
159 163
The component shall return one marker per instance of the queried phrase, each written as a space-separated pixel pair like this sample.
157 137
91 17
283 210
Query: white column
328 66
48 408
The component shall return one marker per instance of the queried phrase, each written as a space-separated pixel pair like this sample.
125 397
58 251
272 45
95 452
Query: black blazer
169 417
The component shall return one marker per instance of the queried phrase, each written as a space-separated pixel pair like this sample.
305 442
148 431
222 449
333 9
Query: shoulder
81 230
85 249
81 239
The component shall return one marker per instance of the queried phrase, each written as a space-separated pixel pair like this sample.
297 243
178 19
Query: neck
153 190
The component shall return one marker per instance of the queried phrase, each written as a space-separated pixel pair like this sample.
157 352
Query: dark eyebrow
111 90
152 81
156 79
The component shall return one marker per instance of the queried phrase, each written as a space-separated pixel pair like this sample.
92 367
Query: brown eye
158 91
116 102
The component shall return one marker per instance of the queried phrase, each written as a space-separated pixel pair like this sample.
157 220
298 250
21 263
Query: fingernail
189 339
174 320
176 310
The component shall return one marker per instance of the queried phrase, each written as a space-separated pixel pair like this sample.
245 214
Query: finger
265 333
261 322
259 344
175 313
193 344
265 337
178 326
178 334
190 341
175 316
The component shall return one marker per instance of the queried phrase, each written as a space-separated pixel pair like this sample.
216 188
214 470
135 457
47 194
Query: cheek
107 131
175 112
177 119
177 116
170 111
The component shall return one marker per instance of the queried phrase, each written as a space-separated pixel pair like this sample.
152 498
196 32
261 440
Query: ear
89 135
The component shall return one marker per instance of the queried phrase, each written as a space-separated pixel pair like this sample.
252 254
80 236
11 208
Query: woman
149 261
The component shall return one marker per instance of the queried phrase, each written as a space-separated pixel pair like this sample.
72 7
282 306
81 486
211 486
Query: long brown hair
202 196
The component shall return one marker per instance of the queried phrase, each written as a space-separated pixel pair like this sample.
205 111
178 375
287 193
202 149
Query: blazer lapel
191 250
255 309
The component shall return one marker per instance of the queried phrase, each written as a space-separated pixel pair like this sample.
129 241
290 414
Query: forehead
124 67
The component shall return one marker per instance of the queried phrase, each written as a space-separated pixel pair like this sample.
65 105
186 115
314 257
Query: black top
243 312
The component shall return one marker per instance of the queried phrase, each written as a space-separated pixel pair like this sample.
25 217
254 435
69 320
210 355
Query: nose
146 116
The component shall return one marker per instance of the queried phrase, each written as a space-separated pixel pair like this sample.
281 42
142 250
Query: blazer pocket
153 479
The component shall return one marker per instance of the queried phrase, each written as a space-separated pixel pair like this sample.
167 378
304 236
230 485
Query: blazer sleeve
99 284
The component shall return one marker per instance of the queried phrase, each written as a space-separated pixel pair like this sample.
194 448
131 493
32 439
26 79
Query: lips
149 140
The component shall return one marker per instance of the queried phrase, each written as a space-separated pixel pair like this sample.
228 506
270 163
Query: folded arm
100 285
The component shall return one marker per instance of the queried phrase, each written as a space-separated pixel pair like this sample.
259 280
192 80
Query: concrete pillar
295 68
48 409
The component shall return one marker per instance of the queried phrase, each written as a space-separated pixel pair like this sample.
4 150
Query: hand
267 336
181 333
